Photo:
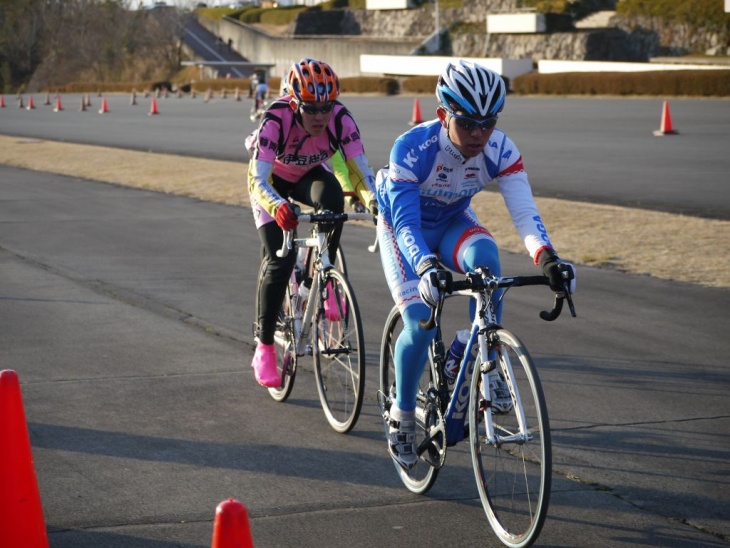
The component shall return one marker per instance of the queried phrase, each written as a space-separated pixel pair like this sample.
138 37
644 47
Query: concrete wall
515 23
552 67
434 65
341 52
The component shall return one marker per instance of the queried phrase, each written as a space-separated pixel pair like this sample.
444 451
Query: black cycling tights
320 189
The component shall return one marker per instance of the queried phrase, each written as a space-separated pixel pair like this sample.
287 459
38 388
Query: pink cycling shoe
264 366
331 310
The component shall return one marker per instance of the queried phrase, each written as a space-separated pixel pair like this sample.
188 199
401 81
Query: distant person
258 90
426 223
298 134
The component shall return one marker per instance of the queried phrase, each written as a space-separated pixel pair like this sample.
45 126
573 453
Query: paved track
126 315
599 150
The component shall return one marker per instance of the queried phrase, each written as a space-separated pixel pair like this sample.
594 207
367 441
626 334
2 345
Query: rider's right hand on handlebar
286 216
428 287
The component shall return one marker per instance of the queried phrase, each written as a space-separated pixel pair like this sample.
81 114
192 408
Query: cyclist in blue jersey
426 222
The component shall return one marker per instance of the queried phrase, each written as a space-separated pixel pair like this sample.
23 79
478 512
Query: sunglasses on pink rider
313 110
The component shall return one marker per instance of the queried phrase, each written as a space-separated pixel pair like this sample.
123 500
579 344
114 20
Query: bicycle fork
492 438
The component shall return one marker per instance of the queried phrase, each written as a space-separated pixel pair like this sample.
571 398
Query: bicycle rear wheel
339 353
422 476
286 357
514 472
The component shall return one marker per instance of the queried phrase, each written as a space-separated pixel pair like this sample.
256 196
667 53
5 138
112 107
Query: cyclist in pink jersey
290 155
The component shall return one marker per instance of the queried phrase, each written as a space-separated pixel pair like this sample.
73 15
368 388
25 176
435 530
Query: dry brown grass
659 244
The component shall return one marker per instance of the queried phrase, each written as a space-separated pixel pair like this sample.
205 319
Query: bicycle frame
485 320
318 242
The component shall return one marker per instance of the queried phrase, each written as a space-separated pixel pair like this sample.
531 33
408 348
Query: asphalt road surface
598 150
127 317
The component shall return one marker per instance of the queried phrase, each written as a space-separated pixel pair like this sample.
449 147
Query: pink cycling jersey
281 146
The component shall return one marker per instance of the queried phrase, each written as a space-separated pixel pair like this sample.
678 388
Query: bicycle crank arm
431 450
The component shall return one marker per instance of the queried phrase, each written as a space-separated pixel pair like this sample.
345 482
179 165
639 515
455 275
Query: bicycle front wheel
513 471
339 353
422 476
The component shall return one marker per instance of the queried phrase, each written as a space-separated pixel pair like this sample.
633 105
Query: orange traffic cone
416 113
104 106
48 99
21 513
231 529
665 127
58 107
82 108
31 103
20 101
2 101
153 107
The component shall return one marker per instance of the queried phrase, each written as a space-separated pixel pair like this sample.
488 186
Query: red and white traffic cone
416 119
665 127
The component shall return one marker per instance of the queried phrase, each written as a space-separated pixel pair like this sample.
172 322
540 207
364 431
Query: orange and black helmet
312 81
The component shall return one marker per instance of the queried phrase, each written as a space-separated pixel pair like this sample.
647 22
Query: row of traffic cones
21 513
85 103
665 127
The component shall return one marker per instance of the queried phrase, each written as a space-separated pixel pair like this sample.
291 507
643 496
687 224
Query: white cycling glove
428 288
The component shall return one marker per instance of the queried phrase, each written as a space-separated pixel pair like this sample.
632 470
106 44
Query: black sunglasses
312 110
470 124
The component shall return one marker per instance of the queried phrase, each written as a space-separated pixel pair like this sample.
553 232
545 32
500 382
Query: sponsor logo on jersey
423 146
409 240
541 229
410 159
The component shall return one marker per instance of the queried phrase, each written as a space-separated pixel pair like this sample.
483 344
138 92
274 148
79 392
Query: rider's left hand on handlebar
286 217
557 271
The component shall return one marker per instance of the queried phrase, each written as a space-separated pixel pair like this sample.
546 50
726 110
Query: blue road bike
511 452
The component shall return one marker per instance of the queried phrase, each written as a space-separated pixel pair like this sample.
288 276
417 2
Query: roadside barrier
21 512
231 528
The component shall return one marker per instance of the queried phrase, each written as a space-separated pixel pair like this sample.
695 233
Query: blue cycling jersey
429 182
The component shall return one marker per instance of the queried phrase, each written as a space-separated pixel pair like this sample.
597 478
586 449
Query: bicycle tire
422 476
513 479
338 351
340 263
286 358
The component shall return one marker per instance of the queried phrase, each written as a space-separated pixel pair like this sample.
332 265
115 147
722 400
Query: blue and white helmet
471 89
